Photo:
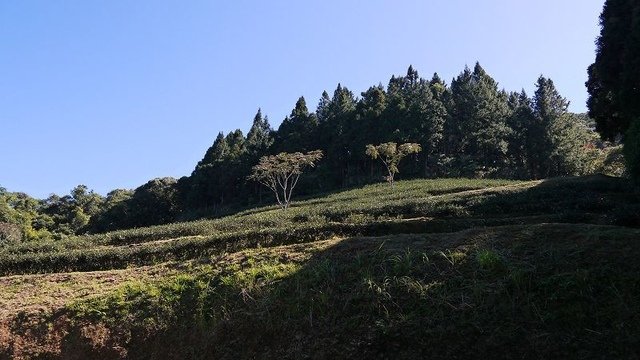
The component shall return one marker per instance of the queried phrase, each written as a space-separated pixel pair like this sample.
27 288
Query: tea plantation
447 268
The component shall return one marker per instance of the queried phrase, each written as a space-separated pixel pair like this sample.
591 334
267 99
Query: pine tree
615 74
342 103
525 136
412 79
337 115
369 122
479 131
260 136
614 78
219 176
300 111
216 153
420 116
237 147
341 129
298 130
371 106
395 112
322 111
549 107
441 96
427 115
561 146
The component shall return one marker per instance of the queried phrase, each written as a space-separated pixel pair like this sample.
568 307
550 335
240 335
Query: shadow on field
531 273
595 199
541 291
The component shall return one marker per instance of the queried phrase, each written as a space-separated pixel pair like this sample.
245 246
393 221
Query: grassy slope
444 268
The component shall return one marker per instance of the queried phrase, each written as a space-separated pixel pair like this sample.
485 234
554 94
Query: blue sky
111 94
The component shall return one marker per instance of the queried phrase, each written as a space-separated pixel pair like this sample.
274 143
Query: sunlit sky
111 94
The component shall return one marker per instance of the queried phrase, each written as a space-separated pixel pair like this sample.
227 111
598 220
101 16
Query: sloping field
433 269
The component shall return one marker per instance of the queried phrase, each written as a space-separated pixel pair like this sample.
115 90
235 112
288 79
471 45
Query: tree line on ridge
469 128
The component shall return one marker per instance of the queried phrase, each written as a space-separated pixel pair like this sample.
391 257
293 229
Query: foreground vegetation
435 268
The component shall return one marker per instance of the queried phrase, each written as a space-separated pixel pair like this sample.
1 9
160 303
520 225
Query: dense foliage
614 78
18 210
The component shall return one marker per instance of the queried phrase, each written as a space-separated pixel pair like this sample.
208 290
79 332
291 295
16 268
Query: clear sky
111 94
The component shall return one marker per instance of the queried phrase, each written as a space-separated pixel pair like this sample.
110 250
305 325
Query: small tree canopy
281 172
390 154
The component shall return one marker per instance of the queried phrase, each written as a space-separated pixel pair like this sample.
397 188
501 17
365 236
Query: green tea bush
418 206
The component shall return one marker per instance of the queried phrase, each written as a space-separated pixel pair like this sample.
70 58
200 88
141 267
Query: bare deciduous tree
281 172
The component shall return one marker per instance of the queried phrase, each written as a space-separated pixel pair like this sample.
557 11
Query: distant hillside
466 128
432 269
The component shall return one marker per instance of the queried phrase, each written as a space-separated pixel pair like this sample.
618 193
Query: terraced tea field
431 269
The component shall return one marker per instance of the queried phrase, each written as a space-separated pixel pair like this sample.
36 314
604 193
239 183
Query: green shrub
613 163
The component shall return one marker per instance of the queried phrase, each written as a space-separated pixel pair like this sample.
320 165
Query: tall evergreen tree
369 120
441 97
216 153
549 108
213 177
524 138
412 79
428 115
417 115
237 147
371 106
480 130
413 100
564 136
260 136
322 111
298 130
336 134
615 74
614 78
395 115
342 103
337 114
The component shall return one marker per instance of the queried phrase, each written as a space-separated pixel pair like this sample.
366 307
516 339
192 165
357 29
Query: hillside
448 268
468 128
